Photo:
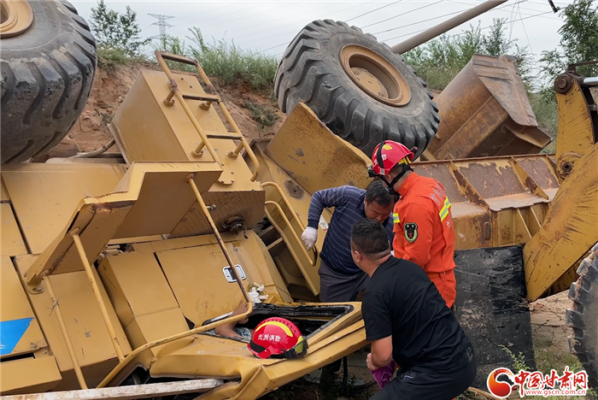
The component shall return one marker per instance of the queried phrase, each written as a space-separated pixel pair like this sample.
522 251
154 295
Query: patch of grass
262 114
224 60
231 63
112 56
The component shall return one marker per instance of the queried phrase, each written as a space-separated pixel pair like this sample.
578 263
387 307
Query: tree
115 31
441 59
579 41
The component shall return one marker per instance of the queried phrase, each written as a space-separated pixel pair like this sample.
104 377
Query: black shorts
420 383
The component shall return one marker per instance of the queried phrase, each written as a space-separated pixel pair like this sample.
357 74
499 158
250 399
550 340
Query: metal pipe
446 26
591 82
98 295
67 338
95 152
206 213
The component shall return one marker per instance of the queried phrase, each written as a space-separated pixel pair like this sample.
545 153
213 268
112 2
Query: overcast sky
269 26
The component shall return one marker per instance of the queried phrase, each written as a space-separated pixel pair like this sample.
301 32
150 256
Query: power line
400 15
529 43
376 9
419 22
458 34
263 37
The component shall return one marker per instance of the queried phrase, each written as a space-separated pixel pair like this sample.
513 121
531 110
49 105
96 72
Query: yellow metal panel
576 135
165 197
98 218
12 241
140 137
83 320
246 204
155 326
15 305
45 195
198 281
125 270
569 228
29 375
316 158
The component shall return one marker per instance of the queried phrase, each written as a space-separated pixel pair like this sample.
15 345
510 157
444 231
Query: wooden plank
126 392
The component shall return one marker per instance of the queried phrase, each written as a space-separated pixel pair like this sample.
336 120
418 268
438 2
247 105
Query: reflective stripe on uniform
395 218
445 210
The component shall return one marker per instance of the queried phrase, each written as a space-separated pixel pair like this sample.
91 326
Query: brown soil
110 88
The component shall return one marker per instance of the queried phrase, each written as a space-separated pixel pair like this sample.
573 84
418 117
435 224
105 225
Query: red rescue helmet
388 154
277 337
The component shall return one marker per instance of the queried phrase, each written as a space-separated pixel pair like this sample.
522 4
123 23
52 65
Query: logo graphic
500 382
411 232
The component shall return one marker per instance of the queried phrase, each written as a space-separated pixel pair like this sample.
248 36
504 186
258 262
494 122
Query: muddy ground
90 132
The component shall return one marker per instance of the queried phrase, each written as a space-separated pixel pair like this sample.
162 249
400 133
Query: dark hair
378 192
369 237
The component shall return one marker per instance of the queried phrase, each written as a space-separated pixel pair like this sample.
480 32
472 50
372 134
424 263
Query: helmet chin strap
406 167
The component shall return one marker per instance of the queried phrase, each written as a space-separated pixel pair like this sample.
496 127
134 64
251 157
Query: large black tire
583 318
311 72
47 74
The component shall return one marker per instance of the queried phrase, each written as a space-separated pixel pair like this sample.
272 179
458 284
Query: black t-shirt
400 300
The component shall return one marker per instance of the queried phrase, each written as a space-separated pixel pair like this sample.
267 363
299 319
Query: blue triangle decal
11 332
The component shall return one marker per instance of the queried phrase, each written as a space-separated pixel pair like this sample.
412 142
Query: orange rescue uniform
424 232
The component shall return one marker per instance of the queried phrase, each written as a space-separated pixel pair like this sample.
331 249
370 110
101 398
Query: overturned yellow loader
113 273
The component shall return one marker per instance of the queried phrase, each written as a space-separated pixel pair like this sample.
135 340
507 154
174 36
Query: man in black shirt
406 320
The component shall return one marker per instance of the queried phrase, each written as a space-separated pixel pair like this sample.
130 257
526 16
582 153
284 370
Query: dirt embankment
110 88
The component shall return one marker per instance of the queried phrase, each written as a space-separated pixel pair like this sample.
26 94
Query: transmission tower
162 24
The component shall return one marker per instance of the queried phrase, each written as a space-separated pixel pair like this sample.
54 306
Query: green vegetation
441 59
262 114
225 60
117 35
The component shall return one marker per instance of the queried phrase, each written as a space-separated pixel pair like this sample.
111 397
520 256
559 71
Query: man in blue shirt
340 279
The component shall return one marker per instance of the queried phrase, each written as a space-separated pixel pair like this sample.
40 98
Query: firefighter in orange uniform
423 226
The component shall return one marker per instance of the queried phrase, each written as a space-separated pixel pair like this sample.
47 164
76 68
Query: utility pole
162 24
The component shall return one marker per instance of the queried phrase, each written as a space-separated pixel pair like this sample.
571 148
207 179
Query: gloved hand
309 237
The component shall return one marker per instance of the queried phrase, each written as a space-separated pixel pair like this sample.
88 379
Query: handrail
200 329
281 232
174 91
288 204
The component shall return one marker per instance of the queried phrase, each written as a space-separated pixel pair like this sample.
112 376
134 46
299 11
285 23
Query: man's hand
309 237
369 363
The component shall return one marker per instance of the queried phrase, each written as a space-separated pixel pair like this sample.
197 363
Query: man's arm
333 197
378 329
417 219
381 354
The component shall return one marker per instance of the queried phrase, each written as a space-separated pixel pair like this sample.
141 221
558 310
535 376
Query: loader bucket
484 112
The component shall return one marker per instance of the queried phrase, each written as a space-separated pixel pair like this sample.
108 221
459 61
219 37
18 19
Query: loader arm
569 229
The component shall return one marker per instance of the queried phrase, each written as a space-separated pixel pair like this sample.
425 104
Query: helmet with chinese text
277 338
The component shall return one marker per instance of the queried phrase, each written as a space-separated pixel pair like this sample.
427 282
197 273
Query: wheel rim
375 75
16 17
